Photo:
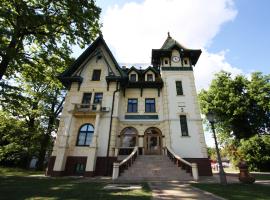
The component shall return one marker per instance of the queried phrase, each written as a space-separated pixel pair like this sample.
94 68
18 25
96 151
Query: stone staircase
154 168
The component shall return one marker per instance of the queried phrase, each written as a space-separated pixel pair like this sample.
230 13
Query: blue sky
247 37
233 34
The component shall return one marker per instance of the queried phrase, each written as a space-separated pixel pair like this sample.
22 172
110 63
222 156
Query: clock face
175 59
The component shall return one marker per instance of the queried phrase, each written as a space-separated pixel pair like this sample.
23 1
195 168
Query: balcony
89 109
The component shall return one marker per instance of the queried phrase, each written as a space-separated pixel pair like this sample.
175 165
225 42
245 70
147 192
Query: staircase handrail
128 161
135 150
192 167
178 157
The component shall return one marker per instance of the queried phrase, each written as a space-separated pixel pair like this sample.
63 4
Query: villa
112 111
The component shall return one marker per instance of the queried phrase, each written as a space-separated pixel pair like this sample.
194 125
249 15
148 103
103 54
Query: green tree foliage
256 152
13 141
242 105
37 102
45 26
36 37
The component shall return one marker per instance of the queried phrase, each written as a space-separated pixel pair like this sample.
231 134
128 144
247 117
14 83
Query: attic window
149 77
132 77
166 61
96 75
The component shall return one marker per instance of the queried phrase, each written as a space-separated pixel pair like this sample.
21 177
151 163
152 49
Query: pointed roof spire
169 36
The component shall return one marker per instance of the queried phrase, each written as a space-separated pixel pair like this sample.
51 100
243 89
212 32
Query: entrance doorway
152 141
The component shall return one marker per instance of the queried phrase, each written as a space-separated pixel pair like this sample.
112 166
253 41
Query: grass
16 185
237 191
7 171
261 176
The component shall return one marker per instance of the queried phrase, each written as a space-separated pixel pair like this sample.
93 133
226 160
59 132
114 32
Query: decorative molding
139 117
176 68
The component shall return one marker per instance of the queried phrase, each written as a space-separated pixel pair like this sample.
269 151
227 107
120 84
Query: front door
152 142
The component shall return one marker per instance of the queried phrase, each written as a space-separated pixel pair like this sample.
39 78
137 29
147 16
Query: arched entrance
129 137
152 141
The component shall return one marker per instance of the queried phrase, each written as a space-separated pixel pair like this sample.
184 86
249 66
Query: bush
256 152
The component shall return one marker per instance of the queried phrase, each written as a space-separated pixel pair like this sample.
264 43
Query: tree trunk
3 66
44 144
6 58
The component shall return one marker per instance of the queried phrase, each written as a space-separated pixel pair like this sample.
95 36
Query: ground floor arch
152 141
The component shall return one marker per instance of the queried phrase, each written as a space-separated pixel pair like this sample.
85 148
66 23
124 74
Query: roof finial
169 36
100 34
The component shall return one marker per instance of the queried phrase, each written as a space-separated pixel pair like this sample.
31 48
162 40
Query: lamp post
211 118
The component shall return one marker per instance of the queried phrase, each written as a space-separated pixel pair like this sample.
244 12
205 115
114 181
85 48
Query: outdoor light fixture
212 119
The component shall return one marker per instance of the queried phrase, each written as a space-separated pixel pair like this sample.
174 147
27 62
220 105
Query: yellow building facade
109 110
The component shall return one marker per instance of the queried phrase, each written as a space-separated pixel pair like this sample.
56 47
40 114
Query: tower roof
169 45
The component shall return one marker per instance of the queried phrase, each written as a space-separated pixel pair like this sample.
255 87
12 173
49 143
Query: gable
97 51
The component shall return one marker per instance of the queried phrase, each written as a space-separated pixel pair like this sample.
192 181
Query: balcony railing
82 109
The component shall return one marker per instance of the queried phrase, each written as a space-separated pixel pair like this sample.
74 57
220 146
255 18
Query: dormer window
185 61
166 61
132 77
149 77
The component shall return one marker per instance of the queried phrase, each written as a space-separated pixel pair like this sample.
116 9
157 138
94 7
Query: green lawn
237 191
6 171
261 176
16 187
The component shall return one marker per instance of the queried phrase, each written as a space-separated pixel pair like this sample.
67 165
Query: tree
242 105
256 152
28 26
37 102
13 141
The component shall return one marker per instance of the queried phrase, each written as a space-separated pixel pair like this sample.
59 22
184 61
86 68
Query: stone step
156 168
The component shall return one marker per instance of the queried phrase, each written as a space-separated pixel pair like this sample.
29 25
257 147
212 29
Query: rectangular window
179 88
96 75
150 105
149 77
86 100
98 97
166 62
132 105
184 126
79 168
133 77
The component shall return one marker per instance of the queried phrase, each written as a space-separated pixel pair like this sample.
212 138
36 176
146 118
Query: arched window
129 137
85 135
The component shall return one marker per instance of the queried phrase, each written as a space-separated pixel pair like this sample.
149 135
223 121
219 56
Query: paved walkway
178 190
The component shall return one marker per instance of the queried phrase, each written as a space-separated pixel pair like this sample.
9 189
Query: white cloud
134 29
208 65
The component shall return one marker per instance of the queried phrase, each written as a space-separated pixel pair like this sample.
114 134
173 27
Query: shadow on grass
48 188
237 191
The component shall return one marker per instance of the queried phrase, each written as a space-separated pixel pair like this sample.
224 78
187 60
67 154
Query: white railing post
116 152
195 173
115 171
